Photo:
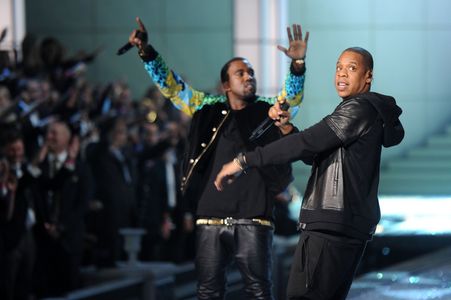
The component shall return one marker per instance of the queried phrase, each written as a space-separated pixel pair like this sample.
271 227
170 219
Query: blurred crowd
79 161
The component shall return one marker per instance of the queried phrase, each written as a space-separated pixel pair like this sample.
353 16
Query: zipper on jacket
336 177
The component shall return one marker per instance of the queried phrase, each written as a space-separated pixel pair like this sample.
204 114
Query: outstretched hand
298 46
139 37
227 174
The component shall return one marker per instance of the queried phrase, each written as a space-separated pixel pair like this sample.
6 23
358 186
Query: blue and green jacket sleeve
189 100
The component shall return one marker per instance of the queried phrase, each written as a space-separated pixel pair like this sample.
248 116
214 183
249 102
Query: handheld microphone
267 123
140 35
124 48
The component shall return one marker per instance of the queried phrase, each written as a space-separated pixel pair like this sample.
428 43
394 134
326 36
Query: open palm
297 48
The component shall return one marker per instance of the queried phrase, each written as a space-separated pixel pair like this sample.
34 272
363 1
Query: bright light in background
408 215
256 36
415 215
12 17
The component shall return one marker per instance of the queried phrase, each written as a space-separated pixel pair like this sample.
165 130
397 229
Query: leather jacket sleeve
349 121
302 145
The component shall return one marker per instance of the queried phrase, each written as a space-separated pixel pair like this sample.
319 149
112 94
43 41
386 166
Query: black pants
57 270
16 268
249 245
323 266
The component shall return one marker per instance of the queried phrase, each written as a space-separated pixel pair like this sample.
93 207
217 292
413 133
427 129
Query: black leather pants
249 245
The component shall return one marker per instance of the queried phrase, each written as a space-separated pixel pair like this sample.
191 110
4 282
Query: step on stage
416 231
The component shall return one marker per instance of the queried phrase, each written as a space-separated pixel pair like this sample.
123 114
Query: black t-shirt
246 197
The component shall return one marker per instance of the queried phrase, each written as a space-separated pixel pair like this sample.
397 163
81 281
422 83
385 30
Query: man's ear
225 87
369 76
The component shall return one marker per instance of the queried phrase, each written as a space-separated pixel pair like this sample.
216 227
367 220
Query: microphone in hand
267 123
124 48
140 35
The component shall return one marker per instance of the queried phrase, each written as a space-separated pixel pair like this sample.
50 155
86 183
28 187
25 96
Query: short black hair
367 57
9 135
225 68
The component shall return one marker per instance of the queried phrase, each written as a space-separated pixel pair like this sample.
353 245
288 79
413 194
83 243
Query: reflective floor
425 277
428 277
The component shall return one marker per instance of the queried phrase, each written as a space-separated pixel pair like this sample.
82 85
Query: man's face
15 151
58 137
352 77
119 134
241 84
151 134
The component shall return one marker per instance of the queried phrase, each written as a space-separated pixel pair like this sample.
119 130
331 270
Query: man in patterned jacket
235 224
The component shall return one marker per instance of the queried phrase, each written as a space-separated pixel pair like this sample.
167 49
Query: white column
12 17
259 25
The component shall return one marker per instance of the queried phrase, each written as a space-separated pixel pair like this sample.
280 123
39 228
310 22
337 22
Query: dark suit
17 254
116 192
62 201
154 205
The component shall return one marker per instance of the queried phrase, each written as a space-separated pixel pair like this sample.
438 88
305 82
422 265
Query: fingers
290 36
141 25
221 178
283 120
283 49
297 33
273 113
277 114
228 173
284 115
132 38
276 111
218 181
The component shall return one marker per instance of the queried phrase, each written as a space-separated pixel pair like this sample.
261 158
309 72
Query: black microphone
140 35
266 124
124 48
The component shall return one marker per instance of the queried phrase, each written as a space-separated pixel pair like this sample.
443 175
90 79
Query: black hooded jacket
345 151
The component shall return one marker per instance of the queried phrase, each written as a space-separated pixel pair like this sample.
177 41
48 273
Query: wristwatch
300 61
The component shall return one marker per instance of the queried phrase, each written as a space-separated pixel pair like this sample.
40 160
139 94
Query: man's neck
61 155
237 104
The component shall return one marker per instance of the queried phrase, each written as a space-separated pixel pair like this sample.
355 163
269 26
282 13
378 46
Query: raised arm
171 85
293 89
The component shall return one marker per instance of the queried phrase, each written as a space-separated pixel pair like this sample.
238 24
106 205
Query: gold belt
231 221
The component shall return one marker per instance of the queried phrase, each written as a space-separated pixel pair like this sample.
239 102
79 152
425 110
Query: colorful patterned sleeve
172 86
292 91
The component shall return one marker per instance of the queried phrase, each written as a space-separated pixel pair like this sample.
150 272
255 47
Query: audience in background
78 162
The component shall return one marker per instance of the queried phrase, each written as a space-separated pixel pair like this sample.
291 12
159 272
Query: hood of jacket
389 112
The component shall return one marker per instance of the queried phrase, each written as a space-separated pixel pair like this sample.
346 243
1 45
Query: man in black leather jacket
340 209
